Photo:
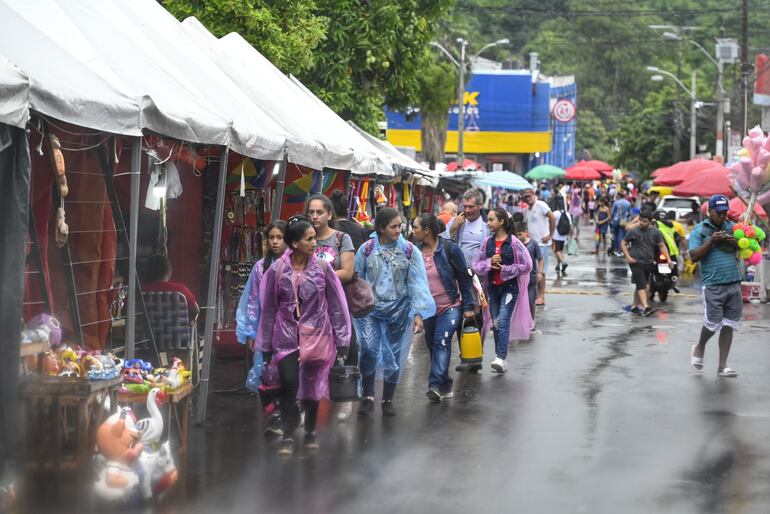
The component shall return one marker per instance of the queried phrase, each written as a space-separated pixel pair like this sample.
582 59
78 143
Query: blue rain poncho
247 321
401 292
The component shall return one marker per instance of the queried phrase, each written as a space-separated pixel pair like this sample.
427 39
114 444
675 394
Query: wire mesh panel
169 320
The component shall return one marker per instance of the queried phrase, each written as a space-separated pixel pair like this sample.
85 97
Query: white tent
14 94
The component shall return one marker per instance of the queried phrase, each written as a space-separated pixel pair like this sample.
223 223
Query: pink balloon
755 259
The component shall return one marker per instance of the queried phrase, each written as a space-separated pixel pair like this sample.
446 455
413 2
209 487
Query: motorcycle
664 277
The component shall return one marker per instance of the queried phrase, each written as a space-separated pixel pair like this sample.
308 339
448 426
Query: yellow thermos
470 344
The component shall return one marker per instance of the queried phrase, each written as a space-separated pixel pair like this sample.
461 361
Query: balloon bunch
750 175
749 236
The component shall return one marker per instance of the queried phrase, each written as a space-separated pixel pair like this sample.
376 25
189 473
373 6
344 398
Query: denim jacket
453 271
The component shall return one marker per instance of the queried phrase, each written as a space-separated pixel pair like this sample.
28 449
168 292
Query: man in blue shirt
621 213
714 247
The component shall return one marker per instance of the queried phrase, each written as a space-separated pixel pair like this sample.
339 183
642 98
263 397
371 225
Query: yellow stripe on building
480 142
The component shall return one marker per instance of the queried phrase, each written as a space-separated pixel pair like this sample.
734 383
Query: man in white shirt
541 223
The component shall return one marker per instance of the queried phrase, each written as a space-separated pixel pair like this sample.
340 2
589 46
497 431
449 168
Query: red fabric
581 173
708 182
496 280
682 171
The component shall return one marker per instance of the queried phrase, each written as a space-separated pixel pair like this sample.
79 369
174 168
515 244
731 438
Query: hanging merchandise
57 161
243 182
353 198
62 229
407 198
379 195
392 195
362 215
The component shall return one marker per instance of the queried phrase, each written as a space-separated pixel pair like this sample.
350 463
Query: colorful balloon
759 234
754 245
755 259
738 226
743 243
746 253
739 234
749 232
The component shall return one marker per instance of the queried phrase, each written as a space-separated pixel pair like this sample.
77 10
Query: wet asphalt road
599 413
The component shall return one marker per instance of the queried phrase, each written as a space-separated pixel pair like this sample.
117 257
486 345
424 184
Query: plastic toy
118 471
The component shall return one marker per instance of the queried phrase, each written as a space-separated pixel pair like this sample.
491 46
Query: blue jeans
502 300
439 332
618 234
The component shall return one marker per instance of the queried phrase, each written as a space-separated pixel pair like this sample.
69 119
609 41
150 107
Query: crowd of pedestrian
484 267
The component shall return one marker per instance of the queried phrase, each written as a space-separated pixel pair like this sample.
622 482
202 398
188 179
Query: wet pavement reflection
599 413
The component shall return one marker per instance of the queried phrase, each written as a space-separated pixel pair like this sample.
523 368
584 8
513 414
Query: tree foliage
437 93
287 32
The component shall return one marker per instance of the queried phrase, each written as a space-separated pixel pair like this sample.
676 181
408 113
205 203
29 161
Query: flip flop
728 372
696 362
539 302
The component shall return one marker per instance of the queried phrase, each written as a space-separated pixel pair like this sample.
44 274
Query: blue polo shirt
718 266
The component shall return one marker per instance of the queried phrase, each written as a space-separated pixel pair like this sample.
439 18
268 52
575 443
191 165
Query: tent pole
136 166
277 199
211 293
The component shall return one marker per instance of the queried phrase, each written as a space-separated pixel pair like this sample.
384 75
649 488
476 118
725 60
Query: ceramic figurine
117 440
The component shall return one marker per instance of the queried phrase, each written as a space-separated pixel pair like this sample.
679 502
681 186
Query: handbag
344 383
572 247
314 345
360 296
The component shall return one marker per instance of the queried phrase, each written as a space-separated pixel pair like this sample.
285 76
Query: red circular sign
564 111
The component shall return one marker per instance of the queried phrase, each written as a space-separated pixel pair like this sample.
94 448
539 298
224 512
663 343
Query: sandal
728 372
696 362
539 302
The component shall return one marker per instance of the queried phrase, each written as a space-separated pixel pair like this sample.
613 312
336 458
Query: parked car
684 206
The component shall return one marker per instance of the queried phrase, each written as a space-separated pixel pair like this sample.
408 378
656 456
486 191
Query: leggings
288 370
388 388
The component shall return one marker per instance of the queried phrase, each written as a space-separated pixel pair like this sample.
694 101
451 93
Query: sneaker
564 268
344 411
499 365
462 367
636 311
287 447
366 407
433 396
474 368
648 311
311 441
448 395
388 409
274 430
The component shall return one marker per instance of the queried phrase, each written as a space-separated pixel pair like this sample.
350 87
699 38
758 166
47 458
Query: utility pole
719 148
461 105
745 66
693 118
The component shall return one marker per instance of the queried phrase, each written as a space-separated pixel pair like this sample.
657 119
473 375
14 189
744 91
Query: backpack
562 227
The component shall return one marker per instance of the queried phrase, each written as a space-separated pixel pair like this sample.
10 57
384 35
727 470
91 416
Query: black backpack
562 227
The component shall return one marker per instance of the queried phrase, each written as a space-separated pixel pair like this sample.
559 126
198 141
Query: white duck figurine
152 428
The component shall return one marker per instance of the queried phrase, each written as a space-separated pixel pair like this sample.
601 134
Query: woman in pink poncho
304 326
504 265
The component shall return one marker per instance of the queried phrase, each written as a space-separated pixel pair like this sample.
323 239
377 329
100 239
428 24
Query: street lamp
724 52
658 77
461 64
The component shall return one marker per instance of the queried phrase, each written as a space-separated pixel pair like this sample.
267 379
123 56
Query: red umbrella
737 208
711 181
468 164
600 166
682 171
581 173
657 172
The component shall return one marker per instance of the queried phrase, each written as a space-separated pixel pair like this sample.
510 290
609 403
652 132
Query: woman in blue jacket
450 285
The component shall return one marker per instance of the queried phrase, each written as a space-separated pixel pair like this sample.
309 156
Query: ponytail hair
508 224
270 258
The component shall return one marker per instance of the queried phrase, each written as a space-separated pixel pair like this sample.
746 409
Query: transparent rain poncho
401 292
247 320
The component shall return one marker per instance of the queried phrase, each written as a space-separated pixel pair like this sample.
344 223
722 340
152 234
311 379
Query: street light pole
720 142
693 118
461 65
461 105
678 108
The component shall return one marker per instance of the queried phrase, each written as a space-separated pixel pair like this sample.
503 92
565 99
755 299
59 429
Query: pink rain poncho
401 292
322 304
521 318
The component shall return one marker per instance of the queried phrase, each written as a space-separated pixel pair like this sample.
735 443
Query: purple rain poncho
401 292
521 318
322 304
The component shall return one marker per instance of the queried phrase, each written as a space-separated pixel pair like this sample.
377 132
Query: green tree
644 134
437 93
286 32
592 136
374 55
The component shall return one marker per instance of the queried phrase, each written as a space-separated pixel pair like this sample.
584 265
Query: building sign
564 111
